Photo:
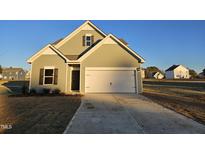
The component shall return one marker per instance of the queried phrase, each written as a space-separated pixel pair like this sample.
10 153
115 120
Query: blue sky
161 43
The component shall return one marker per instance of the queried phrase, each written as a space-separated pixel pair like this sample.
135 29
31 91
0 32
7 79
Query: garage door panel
109 81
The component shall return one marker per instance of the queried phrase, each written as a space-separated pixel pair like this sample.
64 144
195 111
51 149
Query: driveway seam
129 114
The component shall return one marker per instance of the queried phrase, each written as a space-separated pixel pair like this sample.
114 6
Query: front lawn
34 115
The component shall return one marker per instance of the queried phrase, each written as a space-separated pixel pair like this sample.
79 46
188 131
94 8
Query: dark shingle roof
72 57
57 41
123 41
172 68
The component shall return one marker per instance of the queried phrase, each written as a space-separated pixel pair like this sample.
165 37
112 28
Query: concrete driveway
128 114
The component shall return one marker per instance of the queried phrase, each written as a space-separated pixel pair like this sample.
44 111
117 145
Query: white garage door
109 81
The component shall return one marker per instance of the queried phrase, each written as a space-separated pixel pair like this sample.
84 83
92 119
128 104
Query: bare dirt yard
34 114
184 97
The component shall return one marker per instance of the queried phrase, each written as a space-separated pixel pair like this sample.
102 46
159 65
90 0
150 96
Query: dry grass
31 115
188 100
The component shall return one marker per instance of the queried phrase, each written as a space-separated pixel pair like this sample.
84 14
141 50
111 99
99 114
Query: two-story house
177 72
87 61
13 74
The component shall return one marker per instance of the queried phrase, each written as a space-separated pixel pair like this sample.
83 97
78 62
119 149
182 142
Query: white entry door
109 80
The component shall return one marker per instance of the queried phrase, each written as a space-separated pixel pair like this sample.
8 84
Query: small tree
193 73
0 69
204 71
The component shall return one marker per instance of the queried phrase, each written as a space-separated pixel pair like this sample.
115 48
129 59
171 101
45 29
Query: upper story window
88 40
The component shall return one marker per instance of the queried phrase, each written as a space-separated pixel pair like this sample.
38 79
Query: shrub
32 91
46 91
56 91
24 89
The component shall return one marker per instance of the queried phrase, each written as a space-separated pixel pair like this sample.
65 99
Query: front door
75 80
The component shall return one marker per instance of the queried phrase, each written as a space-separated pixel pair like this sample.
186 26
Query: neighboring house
13 74
87 61
201 75
156 75
177 72
143 73
28 74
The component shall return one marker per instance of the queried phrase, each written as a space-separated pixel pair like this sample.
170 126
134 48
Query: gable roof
172 68
36 55
60 43
78 58
133 53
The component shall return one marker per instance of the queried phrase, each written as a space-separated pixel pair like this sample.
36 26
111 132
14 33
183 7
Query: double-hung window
48 76
88 40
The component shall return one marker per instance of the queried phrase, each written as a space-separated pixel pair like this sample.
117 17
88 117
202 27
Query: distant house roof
172 68
11 69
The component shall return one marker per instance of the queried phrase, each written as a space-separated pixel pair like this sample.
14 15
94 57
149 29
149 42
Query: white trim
86 41
102 42
48 68
30 79
110 68
80 78
36 55
49 52
57 51
33 57
142 59
76 68
73 62
77 31
71 69
66 80
88 35
136 81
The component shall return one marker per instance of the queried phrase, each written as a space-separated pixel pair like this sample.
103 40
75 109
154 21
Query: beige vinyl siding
108 55
74 46
49 60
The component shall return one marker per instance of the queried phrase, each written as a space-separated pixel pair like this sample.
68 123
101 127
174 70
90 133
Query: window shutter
41 76
83 41
92 40
55 76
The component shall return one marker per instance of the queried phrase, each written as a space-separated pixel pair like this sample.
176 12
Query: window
88 40
48 76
